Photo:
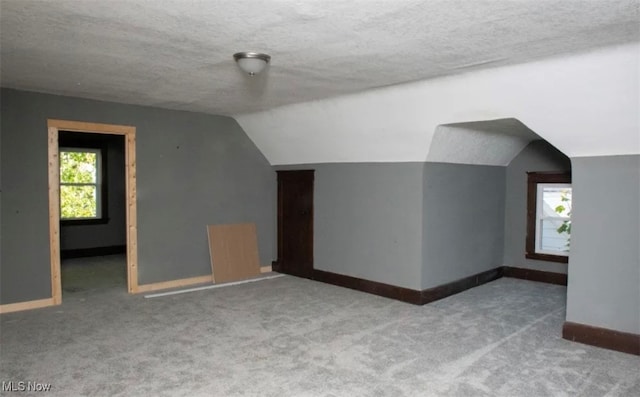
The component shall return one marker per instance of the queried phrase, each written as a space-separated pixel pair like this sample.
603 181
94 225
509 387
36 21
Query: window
81 190
549 216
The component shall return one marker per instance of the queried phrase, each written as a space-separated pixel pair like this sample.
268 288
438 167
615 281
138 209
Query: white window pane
553 218
80 180
556 201
550 239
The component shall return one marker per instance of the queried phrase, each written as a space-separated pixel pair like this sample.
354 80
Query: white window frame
97 184
540 217
535 178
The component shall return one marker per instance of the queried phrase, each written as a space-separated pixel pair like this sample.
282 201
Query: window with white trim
549 199
80 183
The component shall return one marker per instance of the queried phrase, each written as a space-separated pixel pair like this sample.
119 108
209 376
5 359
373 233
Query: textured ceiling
492 142
583 104
178 53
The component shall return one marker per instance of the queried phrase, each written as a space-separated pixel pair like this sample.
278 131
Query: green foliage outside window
565 207
78 184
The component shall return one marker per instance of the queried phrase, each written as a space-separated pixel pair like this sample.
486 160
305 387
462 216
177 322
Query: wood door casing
295 222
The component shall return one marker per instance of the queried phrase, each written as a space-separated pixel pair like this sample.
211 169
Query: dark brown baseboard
407 295
454 287
418 297
373 287
534 275
602 337
97 251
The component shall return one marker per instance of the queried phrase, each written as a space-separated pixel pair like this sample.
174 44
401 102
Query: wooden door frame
129 132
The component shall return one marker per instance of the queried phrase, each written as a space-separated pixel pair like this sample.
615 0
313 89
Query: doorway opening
55 128
92 212
295 223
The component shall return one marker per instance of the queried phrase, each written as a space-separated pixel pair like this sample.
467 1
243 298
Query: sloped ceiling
178 54
585 105
360 80
492 142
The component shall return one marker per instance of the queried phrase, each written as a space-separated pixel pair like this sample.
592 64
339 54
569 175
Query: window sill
547 257
83 222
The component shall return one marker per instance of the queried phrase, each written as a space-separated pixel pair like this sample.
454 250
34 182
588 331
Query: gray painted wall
463 227
414 225
192 170
1 122
368 220
537 156
604 266
114 232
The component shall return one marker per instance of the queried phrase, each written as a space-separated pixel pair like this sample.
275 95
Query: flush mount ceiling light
251 62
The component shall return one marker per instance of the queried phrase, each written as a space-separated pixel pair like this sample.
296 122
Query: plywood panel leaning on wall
234 252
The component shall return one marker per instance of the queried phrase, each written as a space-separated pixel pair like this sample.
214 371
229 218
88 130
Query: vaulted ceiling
178 54
583 104
352 81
